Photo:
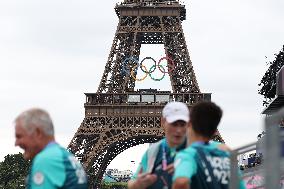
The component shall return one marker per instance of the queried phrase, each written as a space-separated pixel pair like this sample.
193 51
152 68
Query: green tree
115 185
268 81
13 171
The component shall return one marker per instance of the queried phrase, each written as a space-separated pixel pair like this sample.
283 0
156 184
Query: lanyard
164 156
172 152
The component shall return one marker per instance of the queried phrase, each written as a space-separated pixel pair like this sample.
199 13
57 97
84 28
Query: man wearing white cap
156 167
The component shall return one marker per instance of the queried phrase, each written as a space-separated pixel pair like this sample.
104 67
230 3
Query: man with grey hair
53 167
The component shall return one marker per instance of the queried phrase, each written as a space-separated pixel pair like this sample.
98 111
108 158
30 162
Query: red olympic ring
169 60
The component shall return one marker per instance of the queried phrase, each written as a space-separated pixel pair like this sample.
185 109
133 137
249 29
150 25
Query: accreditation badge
38 178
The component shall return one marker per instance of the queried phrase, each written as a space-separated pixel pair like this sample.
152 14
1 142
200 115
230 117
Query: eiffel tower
116 116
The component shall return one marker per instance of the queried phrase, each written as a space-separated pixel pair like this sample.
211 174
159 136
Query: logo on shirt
38 178
221 169
79 171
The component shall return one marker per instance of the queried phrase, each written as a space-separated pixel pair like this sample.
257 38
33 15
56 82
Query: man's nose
16 143
179 128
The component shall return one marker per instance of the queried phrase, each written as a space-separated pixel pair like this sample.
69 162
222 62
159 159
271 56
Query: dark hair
205 117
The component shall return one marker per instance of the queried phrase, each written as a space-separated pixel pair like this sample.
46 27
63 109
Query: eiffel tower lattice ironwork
117 117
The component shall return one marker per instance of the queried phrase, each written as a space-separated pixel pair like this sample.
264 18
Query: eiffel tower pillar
117 117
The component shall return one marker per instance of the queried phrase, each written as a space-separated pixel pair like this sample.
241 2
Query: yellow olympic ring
132 73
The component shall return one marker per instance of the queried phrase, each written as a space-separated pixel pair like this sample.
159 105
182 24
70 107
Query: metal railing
150 3
235 174
145 98
272 167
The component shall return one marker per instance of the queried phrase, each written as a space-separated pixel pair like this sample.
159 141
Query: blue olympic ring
126 69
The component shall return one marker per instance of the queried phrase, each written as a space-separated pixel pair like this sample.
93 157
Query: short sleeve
185 164
142 165
47 173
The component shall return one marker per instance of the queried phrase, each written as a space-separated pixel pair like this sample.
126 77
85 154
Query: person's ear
189 128
38 132
189 124
163 120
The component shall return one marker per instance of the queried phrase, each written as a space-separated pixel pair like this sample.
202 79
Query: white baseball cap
175 111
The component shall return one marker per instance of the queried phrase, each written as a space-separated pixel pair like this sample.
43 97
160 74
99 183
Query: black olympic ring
141 63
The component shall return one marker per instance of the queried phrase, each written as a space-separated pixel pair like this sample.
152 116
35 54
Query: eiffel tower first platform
117 117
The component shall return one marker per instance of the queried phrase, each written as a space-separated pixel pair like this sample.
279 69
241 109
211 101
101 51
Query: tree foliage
13 171
268 81
115 185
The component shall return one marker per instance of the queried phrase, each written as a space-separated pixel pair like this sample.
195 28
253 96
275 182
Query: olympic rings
131 72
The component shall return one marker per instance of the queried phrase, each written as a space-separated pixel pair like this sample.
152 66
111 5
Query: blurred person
156 167
52 167
202 165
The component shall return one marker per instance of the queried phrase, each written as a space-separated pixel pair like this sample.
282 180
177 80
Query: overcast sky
53 51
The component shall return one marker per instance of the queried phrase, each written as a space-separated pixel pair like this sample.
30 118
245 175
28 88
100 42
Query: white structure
118 175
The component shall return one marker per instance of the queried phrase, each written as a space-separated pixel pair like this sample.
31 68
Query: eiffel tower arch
116 116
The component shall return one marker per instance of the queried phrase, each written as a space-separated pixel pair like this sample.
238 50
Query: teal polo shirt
204 165
56 168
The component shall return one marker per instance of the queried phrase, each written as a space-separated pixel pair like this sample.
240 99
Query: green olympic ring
159 68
